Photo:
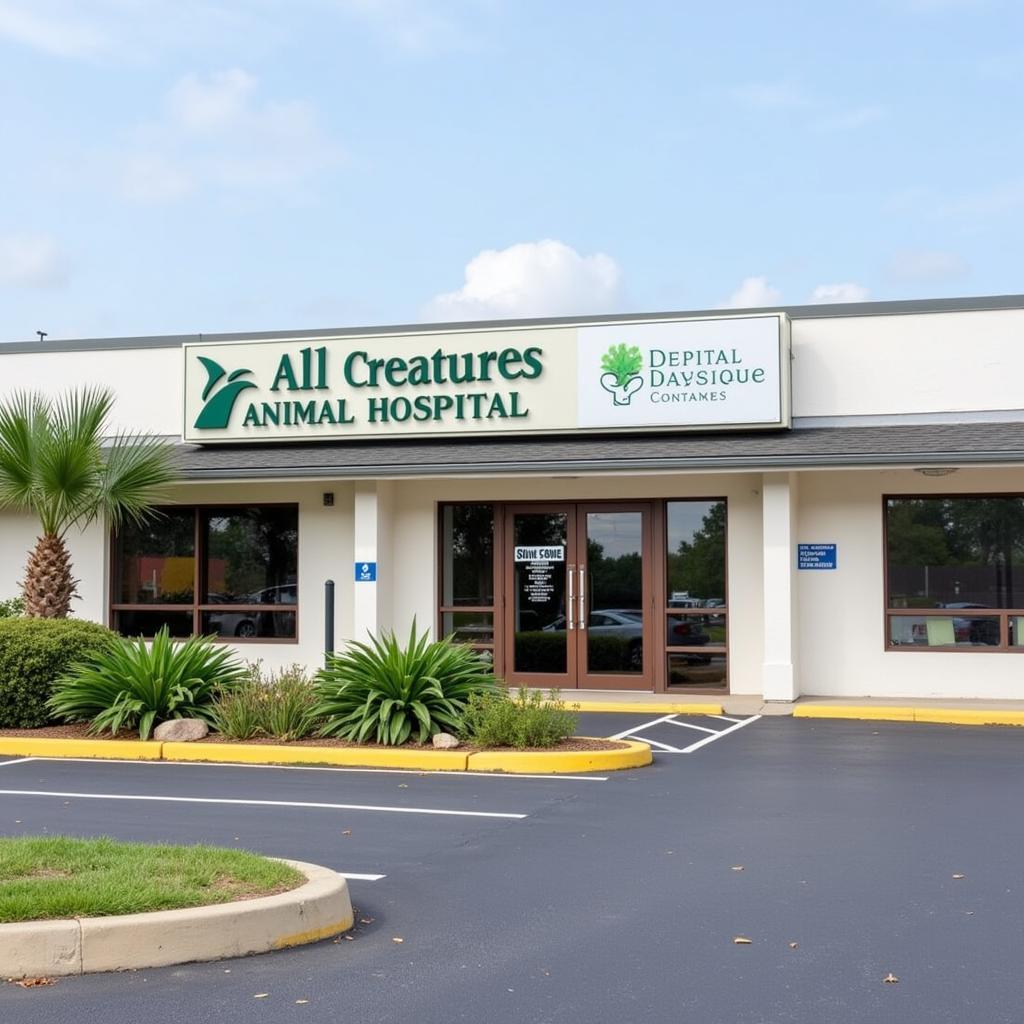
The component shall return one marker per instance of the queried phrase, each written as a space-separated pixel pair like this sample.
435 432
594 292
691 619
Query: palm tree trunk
48 585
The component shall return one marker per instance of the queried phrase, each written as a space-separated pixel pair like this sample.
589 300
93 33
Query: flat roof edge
590 466
895 307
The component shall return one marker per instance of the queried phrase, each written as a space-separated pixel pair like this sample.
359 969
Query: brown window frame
1002 614
196 607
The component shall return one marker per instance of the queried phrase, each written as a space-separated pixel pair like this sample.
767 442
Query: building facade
822 500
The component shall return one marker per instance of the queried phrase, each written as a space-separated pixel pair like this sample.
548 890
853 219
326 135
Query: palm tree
57 463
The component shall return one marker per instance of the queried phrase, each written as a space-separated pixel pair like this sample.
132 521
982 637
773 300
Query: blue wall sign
366 572
816 556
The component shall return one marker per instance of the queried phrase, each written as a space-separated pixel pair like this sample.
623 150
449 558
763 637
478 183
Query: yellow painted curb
938 716
639 707
49 746
350 757
968 716
522 762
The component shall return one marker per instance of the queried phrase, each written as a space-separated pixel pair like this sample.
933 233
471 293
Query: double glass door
579 600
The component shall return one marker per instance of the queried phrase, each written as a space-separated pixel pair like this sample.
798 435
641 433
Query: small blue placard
366 572
816 556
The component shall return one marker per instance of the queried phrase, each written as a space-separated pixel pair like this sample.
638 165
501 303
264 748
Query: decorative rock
445 741
181 730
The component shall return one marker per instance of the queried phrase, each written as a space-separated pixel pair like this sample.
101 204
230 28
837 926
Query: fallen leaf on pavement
367 920
34 982
397 939
890 979
403 785
794 945
347 832
261 995
301 1002
742 940
958 876
737 867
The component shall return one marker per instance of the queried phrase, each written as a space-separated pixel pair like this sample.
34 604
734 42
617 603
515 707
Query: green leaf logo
622 365
216 413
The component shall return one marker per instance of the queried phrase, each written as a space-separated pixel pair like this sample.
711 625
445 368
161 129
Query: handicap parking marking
640 732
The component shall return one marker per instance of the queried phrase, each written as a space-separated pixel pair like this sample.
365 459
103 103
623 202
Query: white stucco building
815 500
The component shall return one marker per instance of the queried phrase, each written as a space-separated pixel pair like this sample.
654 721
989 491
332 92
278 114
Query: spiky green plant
135 684
624 361
57 462
386 692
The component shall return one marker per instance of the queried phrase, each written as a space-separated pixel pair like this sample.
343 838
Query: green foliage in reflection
698 564
388 692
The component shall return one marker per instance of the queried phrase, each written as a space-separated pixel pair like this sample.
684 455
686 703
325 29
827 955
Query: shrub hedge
34 653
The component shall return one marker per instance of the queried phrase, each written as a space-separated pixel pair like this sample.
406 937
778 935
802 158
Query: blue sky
192 166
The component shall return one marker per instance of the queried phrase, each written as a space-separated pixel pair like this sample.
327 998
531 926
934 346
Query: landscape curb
938 716
644 707
315 910
632 755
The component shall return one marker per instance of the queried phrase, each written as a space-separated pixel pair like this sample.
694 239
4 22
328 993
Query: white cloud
772 96
216 131
847 291
32 261
546 278
927 265
416 27
752 292
47 27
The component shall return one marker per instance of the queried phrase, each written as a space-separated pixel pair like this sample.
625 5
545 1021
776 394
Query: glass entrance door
579 596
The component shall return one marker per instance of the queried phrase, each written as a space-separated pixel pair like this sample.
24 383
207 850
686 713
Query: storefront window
231 572
467 574
954 567
695 599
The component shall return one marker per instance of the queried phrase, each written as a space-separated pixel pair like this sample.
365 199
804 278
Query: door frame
576 675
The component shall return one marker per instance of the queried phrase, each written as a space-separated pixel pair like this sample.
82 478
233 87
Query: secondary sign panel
688 374
816 556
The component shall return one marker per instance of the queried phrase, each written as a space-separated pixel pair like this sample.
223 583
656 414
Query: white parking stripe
260 803
718 735
17 760
662 746
726 718
315 768
688 725
360 878
644 725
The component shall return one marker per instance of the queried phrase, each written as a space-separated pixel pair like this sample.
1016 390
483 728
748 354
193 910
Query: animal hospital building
822 500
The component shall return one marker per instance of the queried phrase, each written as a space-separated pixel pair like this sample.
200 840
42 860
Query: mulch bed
80 731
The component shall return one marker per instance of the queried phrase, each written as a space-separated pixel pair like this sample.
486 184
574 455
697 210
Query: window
229 571
694 595
955 572
467 574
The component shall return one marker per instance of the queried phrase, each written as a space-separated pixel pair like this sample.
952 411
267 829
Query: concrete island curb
642 707
315 910
909 713
632 754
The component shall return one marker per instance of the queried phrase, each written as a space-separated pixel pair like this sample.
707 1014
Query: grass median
51 877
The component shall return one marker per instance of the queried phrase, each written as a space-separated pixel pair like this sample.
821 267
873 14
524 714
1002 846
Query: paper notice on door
552 553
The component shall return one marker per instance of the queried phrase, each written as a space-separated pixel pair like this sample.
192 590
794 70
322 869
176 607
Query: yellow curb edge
938 716
644 708
52 746
519 762
350 757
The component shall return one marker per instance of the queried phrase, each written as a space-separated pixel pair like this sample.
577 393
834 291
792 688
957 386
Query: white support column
779 675
372 524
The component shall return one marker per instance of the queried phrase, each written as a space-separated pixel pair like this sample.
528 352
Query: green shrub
135 684
12 608
280 704
385 692
524 720
34 654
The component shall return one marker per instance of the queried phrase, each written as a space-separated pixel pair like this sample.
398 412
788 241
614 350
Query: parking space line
718 735
726 718
688 725
662 746
17 760
309 805
312 768
360 878
638 728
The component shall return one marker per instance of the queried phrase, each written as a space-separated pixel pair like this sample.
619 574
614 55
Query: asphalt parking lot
597 898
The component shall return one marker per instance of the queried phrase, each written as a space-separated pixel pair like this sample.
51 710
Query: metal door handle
571 601
583 599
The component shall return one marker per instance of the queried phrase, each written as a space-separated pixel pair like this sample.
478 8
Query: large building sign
717 373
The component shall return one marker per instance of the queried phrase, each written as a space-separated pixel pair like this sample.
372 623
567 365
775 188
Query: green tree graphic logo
216 413
621 378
